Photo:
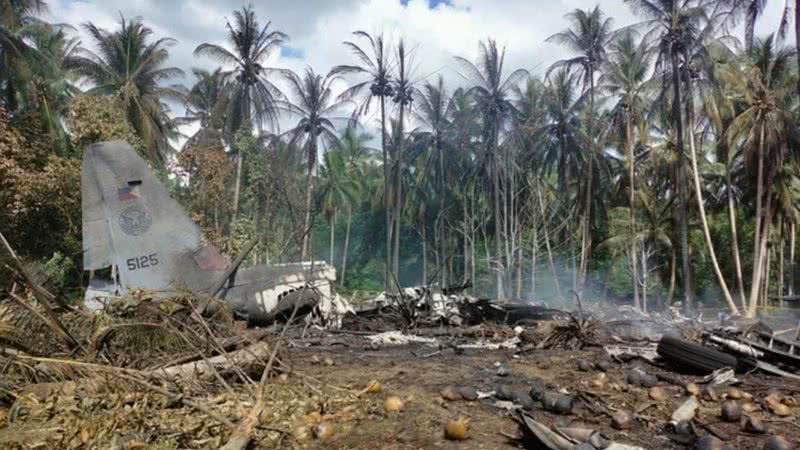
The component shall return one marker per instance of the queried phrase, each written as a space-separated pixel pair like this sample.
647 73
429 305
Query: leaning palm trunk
735 238
755 285
547 246
698 190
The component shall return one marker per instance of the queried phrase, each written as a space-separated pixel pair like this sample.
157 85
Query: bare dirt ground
409 372
318 399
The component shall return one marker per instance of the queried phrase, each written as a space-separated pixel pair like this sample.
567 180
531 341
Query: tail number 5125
142 262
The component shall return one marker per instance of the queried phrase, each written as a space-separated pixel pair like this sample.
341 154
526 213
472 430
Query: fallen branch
241 437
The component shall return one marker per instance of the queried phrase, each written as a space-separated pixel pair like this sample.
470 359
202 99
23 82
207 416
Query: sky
436 30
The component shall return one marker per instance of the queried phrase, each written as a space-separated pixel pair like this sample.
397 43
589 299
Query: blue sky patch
291 52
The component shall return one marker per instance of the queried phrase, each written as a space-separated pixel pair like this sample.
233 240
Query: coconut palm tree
673 26
356 155
403 95
375 83
313 103
252 100
588 36
764 128
433 111
207 99
626 78
339 190
15 17
131 66
253 96
492 92
52 80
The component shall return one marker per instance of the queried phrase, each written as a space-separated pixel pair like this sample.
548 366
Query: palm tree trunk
346 244
644 279
797 38
792 230
497 224
534 248
333 237
386 283
549 250
672 276
398 186
237 186
312 157
586 239
681 180
631 204
466 240
735 238
424 256
755 285
442 185
698 191
780 264
472 240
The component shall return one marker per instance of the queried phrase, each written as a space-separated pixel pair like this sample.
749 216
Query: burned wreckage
132 227
590 378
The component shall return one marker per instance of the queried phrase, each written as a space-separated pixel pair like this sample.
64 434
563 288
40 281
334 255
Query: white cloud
318 27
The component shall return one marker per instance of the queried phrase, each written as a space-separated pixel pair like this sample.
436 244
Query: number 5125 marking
142 262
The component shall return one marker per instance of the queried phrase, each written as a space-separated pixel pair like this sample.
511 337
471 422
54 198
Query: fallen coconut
730 411
780 410
754 425
374 387
692 389
503 392
456 430
324 431
658 393
734 394
750 407
778 443
393 404
469 394
563 405
584 365
600 381
709 443
450 393
622 420
328 362
603 365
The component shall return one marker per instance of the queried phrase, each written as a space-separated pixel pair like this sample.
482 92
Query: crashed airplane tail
133 226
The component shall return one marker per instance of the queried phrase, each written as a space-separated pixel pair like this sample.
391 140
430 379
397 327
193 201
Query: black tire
694 357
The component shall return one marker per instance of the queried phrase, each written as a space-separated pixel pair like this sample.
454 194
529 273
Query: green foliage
93 119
